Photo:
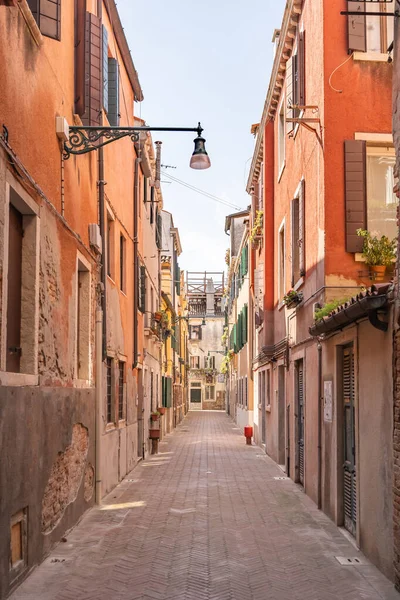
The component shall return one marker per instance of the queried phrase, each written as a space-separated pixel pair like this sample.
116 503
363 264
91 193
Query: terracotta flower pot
154 417
157 316
378 272
161 410
154 434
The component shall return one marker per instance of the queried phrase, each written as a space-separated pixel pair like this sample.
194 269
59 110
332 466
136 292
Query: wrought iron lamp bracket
86 139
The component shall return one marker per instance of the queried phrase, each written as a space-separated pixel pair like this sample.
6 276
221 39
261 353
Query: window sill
111 280
82 383
268 409
281 170
125 294
299 283
18 379
281 305
370 56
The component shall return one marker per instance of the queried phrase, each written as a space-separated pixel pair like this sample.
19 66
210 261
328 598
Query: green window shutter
113 92
168 392
245 315
178 280
163 391
235 338
239 332
245 260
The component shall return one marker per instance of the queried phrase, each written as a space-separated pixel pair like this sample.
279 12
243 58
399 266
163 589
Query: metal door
263 413
13 355
300 418
349 434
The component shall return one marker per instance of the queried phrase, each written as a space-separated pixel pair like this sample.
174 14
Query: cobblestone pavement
205 520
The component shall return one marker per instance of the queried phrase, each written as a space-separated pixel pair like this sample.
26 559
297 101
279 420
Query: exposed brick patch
89 482
65 479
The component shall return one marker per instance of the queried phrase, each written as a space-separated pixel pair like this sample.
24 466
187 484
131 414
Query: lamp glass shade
200 158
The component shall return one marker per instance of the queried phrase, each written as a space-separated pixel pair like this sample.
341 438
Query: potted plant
155 415
157 316
256 232
161 410
154 434
292 298
378 252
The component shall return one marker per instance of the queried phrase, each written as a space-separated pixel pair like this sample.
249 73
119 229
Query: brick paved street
205 519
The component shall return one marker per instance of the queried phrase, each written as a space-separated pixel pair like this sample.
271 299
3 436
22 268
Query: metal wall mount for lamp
83 139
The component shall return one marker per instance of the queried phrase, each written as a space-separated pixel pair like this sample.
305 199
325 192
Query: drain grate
281 478
352 561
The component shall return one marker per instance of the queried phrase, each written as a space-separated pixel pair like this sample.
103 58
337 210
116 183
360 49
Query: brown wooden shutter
47 14
302 68
293 239
289 94
80 19
355 192
302 241
356 27
93 70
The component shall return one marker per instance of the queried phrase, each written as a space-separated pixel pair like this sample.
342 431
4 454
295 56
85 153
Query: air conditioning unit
95 237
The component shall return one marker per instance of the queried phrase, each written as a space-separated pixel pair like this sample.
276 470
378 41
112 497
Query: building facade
205 340
80 247
323 167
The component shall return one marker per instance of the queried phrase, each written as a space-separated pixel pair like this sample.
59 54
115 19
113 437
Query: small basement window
18 543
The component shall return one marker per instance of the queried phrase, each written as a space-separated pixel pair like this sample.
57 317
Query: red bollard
248 434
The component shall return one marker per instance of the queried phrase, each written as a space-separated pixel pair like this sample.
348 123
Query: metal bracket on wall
304 121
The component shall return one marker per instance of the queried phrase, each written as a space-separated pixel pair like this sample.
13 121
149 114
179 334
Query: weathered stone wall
48 453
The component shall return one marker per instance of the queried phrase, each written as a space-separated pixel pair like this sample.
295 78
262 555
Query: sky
206 61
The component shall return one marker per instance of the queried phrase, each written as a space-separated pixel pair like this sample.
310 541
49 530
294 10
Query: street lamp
203 323
83 139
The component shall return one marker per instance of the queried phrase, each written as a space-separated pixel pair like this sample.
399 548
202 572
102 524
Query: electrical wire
334 71
201 192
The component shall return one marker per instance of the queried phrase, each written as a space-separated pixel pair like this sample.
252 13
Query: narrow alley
207 518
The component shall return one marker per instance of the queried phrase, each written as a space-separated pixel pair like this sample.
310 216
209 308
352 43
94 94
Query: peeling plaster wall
47 435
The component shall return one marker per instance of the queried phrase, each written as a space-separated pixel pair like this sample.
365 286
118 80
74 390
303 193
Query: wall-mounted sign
328 401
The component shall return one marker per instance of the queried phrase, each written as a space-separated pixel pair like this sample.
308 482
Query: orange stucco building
323 167
71 251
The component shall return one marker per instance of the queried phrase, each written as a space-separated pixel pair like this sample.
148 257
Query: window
121 380
371 33
245 392
122 263
18 543
113 92
295 82
142 287
210 392
212 362
369 198
195 332
21 285
195 362
281 261
145 188
151 390
281 138
261 188
268 387
381 201
47 14
83 321
379 30
110 246
297 214
110 395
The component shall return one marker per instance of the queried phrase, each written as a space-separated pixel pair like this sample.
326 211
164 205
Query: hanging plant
256 231
227 257
292 298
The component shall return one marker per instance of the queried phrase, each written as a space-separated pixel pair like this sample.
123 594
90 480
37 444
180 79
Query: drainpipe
99 398
135 262
320 399
101 184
